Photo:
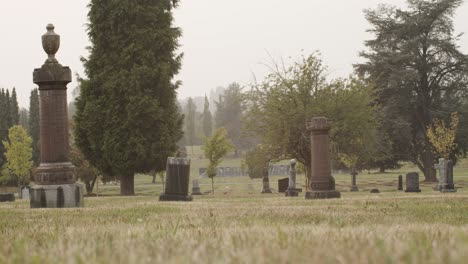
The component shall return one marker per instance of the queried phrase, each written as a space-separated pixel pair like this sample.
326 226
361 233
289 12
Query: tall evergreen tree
229 113
207 119
24 118
14 108
190 122
419 74
3 124
34 124
127 119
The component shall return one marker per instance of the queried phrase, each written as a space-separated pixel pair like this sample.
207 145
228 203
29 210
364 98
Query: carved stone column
54 181
321 183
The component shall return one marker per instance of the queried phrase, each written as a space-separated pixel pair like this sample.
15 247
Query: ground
240 225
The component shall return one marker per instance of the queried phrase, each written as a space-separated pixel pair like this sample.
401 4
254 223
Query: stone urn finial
51 43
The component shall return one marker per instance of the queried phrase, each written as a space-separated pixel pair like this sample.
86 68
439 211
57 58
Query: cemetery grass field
239 225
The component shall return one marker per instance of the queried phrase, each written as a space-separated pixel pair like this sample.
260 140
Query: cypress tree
207 119
3 124
190 122
14 108
34 124
127 120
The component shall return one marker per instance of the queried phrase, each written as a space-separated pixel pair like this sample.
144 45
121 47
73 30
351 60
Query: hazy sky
223 40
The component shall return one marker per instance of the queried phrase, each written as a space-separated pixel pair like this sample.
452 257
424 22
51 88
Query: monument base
448 190
322 194
293 192
174 197
7 197
196 191
354 188
267 191
415 190
56 196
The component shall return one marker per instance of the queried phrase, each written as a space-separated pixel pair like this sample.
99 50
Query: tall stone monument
55 185
321 183
177 180
266 180
400 183
354 173
445 176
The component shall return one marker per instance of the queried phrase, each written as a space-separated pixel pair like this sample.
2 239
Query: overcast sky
223 40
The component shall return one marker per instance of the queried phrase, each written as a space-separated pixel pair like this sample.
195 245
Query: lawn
240 225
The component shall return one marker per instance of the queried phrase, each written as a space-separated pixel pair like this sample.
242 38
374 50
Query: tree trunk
153 172
212 185
428 160
382 169
127 185
89 185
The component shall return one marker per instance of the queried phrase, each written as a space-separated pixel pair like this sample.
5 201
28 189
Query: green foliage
127 119
215 148
191 111
419 75
207 119
257 161
19 154
34 125
280 107
8 117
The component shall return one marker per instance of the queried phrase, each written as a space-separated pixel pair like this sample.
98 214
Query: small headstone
412 182
7 197
354 187
177 180
25 193
195 187
400 182
283 185
375 191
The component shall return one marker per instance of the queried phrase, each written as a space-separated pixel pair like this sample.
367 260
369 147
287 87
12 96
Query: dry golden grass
391 227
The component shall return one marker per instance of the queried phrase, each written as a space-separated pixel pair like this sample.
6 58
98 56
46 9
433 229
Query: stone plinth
412 182
54 179
177 180
195 187
321 183
292 191
400 183
56 196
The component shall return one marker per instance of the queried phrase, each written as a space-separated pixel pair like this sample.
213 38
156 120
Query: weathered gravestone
400 183
195 187
283 185
292 191
445 176
354 187
55 186
177 180
412 182
24 192
7 197
322 183
266 181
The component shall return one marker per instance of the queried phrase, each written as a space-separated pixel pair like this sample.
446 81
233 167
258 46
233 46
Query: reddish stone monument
321 183
54 181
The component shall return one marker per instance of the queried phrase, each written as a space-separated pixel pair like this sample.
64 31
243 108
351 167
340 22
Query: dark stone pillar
177 180
400 183
54 182
354 187
321 183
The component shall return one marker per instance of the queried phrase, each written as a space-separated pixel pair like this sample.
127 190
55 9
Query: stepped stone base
57 196
413 190
354 188
175 197
196 191
267 191
322 194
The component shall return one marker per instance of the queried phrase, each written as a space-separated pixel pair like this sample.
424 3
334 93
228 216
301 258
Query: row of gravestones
275 170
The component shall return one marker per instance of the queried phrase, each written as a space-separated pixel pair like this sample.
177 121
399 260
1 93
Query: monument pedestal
354 188
56 196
